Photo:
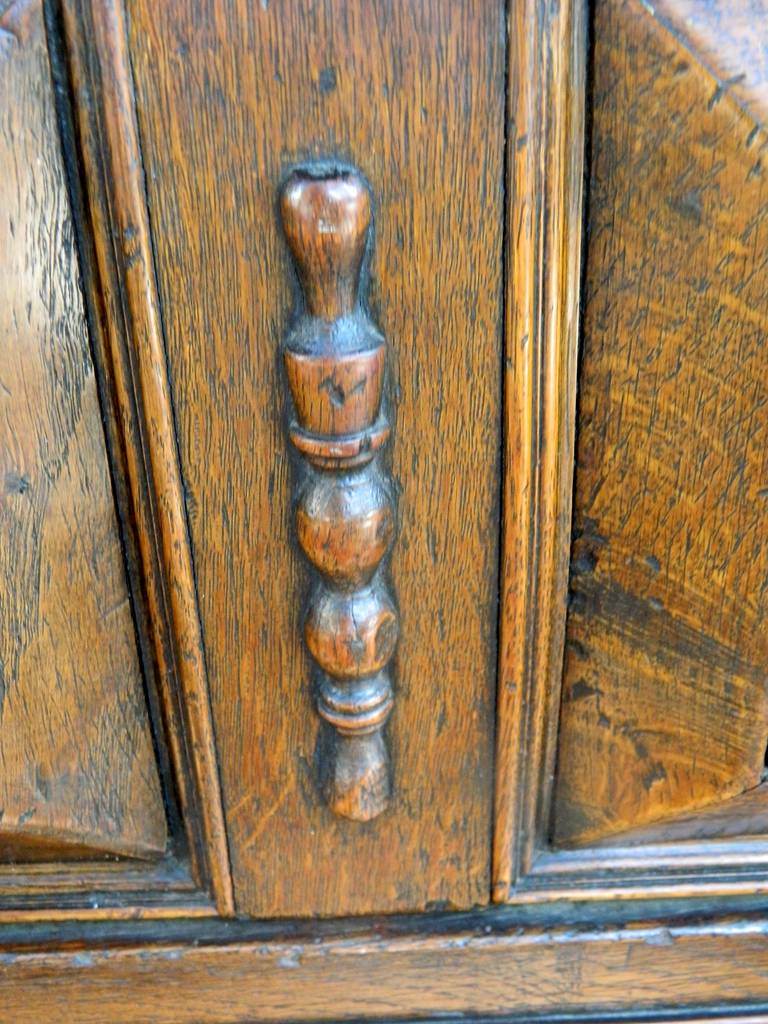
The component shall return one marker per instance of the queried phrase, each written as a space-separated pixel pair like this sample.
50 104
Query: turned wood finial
326 222
335 361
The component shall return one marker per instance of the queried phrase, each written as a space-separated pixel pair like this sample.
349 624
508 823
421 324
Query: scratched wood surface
77 768
476 973
229 96
727 37
664 705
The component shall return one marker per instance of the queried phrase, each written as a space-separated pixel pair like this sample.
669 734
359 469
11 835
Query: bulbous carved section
351 635
345 525
335 364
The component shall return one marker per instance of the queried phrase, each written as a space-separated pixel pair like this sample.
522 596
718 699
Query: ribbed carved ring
335 362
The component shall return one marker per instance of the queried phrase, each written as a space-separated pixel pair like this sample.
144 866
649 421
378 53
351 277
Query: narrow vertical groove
543 218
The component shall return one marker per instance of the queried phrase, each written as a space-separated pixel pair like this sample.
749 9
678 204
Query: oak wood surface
229 97
639 970
728 38
121 289
77 768
743 815
665 703
545 146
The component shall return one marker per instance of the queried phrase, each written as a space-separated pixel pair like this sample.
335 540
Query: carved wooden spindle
335 363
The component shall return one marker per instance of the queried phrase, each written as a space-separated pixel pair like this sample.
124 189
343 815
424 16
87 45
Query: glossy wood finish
78 776
545 146
664 706
335 362
226 105
125 320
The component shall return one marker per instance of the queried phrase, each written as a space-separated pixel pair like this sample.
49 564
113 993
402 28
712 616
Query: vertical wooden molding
545 151
99 64
335 362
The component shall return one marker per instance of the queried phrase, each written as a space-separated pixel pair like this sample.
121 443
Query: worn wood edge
99 891
682 871
731 853
634 864
141 909
743 816
545 153
664 12
643 971
119 873
592 891
89 847
97 51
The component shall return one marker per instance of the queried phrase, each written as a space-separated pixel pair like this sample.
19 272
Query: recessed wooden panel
413 94
77 767
664 706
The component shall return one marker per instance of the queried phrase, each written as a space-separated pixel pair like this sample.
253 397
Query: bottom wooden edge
136 911
639 970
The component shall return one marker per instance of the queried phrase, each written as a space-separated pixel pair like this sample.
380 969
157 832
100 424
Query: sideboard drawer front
413 96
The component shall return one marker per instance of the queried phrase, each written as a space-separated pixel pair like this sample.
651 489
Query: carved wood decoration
335 362
224 279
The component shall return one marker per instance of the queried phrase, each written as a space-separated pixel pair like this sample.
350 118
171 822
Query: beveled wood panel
77 767
664 706
89 41
229 97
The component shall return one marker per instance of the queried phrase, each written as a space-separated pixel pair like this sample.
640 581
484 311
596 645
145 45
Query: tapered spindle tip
326 221
356 779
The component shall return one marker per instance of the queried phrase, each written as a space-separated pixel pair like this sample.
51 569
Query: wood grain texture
545 146
100 890
664 706
77 766
228 99
647 968
728 38
128 333
739 816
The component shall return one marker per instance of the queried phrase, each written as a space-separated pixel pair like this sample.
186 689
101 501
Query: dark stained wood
728 38
545 145
642 969
335 361
664 705
412 94
77 766
127 325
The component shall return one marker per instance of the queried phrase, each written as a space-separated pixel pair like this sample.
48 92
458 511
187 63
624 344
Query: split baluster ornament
335 363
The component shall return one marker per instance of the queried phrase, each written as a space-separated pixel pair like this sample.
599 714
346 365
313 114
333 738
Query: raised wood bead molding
335 361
